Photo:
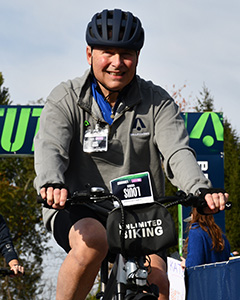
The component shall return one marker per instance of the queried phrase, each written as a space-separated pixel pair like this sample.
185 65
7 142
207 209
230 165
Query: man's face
113 67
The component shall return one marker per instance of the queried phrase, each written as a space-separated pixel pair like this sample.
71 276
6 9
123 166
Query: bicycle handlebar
91 195
98 194
183 199
6 272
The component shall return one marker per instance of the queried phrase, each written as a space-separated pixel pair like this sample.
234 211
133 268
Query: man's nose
117 60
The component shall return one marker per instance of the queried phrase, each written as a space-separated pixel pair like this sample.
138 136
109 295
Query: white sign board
177 279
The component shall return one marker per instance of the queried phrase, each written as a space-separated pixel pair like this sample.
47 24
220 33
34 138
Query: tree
4 95
177 95
23 217
231 182
206 103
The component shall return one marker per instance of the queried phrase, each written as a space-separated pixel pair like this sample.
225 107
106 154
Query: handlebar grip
200 208
40 199
202 192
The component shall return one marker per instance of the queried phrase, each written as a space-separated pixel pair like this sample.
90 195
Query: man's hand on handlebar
56 197
215 198
215 202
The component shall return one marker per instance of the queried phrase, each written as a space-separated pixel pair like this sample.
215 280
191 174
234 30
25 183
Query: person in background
7 249
205 243
235 253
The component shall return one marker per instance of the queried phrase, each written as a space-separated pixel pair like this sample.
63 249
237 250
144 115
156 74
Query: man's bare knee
159 276
88 240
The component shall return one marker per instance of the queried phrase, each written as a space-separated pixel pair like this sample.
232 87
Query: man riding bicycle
106 124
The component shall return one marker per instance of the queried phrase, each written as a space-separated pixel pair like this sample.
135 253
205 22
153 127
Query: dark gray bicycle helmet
115 28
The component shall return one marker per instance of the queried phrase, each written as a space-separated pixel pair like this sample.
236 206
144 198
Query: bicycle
127 279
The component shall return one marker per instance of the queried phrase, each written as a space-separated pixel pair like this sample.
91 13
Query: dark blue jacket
200 248
6 245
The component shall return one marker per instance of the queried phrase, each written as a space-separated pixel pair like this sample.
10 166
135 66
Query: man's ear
89 55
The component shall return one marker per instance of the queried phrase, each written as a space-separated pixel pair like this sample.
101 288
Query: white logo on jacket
139 126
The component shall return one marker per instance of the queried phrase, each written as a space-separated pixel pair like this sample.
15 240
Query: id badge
95 140
133 189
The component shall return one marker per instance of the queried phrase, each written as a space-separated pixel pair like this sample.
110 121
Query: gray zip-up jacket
147 133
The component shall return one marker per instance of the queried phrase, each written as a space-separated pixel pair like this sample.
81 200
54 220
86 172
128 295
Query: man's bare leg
89 247
159 277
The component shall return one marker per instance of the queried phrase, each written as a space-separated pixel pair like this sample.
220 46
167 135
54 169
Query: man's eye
108 52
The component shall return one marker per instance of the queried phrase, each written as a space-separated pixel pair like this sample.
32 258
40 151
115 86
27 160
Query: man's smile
116 73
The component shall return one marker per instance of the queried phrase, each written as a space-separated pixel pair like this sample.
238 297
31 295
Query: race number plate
133 189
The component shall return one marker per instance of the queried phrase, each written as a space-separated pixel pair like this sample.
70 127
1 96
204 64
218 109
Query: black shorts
66 218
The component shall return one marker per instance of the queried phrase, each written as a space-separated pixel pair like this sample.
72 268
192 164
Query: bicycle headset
115 28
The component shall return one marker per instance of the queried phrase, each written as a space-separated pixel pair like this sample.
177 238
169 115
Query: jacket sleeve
6 245
179 159
52 141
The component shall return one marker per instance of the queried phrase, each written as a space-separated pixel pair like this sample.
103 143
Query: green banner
18 126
